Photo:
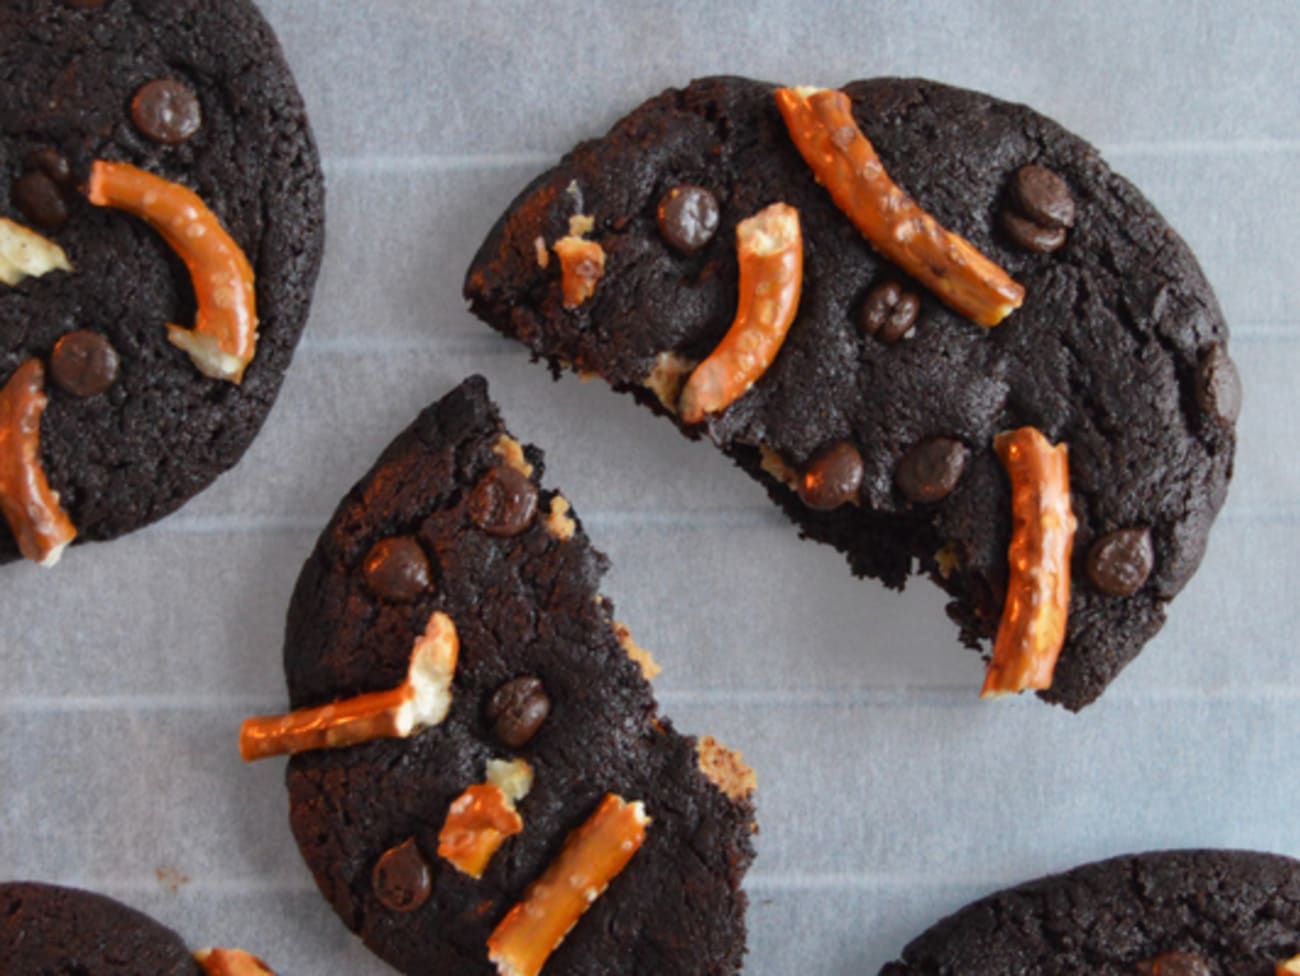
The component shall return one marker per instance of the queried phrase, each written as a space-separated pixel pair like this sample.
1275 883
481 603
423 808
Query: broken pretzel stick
480 819
593 855
1288 967
38 522
419 702
822 126
231 962
769 249
26 254
224 337
1032 629
582 262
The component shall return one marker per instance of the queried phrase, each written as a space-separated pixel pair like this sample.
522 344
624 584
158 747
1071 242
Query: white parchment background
889 794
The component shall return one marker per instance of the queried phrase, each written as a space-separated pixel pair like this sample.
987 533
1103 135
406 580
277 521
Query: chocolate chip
1120 561
402 878
166 110
1042 197
832 477
930 469
1175 964
888 312
1031 236
517 710
40 200
397 569
84 363
1218 386
688 217
52 163
84 4
504 502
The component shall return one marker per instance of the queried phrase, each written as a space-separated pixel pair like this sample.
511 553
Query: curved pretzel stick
224 337
40 526
1032 629
769 249
822 126
421 701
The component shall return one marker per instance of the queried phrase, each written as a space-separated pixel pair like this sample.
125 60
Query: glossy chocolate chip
1175 964
84 363
1120 561
396 569
52 163
1042 197
518 709
402 878
888 312
832 477
1218 386
39 199
504 502
688 217
930 469
1034 237
166 110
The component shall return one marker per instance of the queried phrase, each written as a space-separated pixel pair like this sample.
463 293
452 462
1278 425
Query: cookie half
875 423
46 929
108 327
541 734
1171 913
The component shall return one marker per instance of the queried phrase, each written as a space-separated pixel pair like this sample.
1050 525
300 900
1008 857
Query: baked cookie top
1170 913
196 96
47 930
450 583
873 421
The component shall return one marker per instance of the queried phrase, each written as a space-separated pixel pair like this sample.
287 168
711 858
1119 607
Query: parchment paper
889 795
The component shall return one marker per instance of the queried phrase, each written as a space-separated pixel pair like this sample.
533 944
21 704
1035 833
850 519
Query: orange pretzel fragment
592 857
1288 967
421 701
231 962
582 265
39 524
769 249
822 126
480 819
224 337
1032 628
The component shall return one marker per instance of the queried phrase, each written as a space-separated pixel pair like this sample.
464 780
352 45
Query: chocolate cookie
695 259
161 223
479 759
49 931
1172 913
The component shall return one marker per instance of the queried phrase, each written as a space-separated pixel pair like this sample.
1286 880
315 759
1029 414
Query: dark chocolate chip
1031 236
1175 964
1120 561
930 469
832 477
166 110
888 312
1218 386
397 569
517 710
688 217
52 163
504 502
1042 197
84 363
402 878
40 200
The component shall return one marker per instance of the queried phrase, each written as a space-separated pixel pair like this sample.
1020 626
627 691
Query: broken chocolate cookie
914 329
480 780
